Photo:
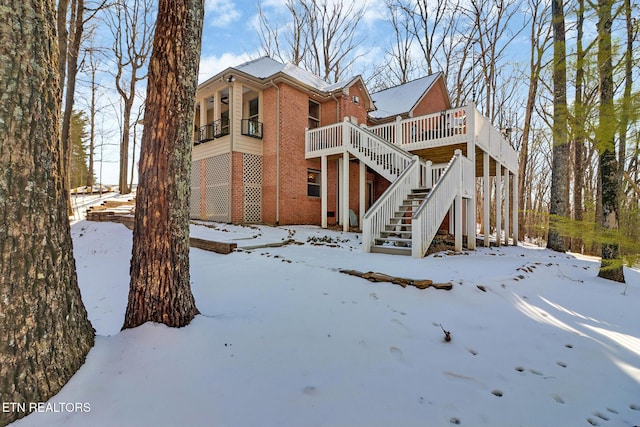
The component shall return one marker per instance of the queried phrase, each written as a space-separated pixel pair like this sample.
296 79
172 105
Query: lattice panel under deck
216 204
252 180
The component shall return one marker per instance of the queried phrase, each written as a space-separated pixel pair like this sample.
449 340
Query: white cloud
211 65
221 13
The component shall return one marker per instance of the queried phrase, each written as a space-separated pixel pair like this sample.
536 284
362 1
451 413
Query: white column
487 197
203 112
471 222
498 204
515 210
363 188
339 192
323 190
506 206
345 192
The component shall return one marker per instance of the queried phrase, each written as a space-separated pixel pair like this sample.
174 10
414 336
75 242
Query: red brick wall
351 109
295 206
270 132
435 100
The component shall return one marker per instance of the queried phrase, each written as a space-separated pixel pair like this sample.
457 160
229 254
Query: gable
403 100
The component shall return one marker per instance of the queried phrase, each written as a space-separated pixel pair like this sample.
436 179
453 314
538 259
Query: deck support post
457 215
507 187
498 203
363 186
487 198
345 191
515 210
323 190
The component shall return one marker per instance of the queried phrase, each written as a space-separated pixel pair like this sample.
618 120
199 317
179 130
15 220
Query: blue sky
231 31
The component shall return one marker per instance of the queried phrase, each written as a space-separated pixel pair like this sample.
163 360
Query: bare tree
288 44
160 289
495 30
45 331
540 36
132 26
323 37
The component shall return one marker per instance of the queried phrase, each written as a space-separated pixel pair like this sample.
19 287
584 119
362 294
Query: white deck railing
449 127
427 218
381 212
323 141
432 130
493 142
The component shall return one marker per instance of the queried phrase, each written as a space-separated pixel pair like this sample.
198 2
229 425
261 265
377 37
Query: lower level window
313 183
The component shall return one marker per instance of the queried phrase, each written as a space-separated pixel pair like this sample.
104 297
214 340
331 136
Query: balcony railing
213 130
251 127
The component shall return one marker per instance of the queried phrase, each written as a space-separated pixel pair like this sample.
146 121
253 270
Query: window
251 126
313 183
314 114
253 109
224 123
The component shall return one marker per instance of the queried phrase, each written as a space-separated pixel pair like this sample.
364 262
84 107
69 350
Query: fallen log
404 282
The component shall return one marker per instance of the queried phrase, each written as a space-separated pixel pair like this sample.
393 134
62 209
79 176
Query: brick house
276 144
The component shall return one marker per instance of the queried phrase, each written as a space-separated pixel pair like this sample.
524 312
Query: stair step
401 220
391 250
416 196
393 241
393 227
394 233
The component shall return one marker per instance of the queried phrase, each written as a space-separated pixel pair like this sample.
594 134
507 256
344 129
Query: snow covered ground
285 339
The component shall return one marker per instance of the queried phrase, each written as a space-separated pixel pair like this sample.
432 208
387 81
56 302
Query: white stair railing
427 218
381 212
380 155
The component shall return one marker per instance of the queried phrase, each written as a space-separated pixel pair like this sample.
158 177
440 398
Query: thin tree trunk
579 125
72 54
160 288
45 331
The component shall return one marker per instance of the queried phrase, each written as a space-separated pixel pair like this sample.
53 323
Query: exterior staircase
397 235
406 217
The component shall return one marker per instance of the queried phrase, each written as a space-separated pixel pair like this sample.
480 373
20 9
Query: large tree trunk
160 286
558 206
43 324
610 268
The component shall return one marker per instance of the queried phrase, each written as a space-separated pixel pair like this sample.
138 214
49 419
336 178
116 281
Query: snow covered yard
284 339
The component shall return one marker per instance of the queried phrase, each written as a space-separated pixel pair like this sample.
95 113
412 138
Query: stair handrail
382 156
391 145
383 209
427 218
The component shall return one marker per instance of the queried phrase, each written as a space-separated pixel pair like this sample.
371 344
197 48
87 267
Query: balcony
251 127
210 131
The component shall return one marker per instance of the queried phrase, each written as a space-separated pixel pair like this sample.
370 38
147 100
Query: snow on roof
266 67
401 99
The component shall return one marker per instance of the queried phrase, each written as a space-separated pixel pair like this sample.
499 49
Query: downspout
230 81
333 95
277 151
338 120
